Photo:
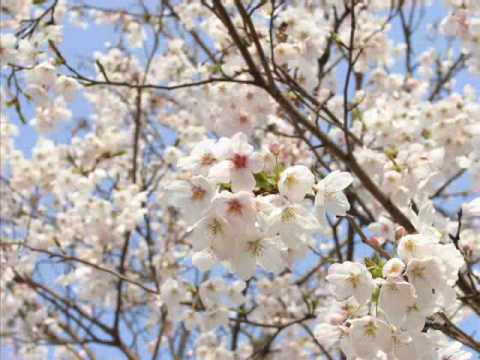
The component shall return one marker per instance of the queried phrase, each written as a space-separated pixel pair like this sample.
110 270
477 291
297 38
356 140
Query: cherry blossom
351 279
238 162
370 335
330 197
295 182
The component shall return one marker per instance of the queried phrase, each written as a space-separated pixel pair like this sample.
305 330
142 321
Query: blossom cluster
464 22
387 303
246 210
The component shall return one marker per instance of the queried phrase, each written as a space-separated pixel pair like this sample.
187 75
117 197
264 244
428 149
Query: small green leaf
375 266
391 153
192 289
20 113
331 259
225 186
265 182
376 295
357 114
337 39
242 311
215 69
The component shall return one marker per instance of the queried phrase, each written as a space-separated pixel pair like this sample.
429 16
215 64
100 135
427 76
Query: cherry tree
264 179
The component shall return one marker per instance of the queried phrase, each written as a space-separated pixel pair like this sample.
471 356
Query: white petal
369 335
255 162
405 350
363 291
204 260
244 265
395 299
220 172
337 181
337 204
271 258
242 180
415 319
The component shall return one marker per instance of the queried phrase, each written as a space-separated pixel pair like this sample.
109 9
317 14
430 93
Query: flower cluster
390 301
464 22
246 210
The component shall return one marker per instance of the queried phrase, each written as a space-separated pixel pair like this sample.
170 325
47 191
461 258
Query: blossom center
243 119
197 193
288 214
354 279
412 308
215 227
235 206
207 159
418 271
370 329
410 246
240 161
291 180
255 247
396 268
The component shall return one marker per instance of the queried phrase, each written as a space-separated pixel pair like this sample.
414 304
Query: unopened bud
400 232
274 148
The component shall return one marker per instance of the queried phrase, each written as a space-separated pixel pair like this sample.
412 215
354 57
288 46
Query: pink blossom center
243 119
197 193
240 161
235 206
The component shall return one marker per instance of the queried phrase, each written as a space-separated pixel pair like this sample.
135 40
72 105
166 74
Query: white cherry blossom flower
235 293
393 268
214 318
398 301
237 208
67 87
238 163
330 197
257 250
427 276
403 347
454 351
292 222
351 279
202 157
370 335
171 293
192 197
382 230
8 52
295 182
469 243
43 75
212 291
415 246
214 234
205 259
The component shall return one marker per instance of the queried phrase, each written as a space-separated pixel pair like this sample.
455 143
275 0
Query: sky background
78 46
